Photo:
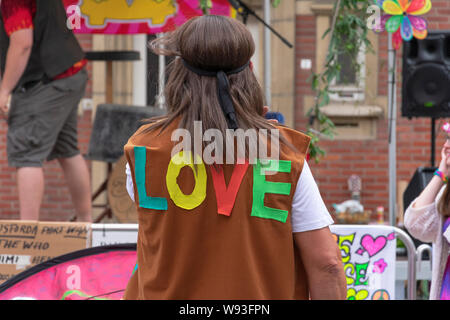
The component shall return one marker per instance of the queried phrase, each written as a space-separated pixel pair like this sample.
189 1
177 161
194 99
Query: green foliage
205 5
347 35
275 3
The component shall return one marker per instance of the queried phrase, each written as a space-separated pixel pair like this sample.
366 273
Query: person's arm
129 182
313 239
422 217
322 260
423 223
21 43
428 195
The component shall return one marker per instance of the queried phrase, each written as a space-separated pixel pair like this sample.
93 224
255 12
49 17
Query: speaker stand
433 140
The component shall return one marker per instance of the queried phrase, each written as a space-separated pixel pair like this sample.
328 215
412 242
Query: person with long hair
428 219
221 222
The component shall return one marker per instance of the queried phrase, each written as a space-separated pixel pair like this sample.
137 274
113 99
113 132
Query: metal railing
412 258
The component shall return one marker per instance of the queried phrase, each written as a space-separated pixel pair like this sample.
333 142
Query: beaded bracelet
441 175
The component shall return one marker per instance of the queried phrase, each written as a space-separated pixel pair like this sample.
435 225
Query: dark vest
55 48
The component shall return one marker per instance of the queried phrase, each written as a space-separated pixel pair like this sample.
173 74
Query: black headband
223 90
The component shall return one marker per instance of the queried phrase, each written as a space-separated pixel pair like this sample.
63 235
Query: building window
350 83
354 105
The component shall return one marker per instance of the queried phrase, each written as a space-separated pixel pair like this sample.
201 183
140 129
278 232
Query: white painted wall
140 71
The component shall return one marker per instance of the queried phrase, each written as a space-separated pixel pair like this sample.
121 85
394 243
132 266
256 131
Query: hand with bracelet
440 177
443 170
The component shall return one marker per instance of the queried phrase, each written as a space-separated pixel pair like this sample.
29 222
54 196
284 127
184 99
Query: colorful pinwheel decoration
402 19
446 127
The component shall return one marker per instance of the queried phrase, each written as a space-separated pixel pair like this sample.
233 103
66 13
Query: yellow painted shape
198 195
99 12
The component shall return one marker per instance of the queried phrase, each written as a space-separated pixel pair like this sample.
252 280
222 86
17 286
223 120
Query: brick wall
56 204
368 159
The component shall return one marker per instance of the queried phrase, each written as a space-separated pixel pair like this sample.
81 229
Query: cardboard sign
368 254
109 234
24 244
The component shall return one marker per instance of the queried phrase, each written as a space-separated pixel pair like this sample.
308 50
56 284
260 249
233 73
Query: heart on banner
373 246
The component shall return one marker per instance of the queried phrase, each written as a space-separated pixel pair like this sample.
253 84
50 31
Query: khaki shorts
42 122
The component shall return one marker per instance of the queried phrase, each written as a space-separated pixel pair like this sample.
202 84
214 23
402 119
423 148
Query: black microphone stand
244 11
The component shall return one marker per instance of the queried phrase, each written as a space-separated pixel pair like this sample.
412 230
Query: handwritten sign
24 244
368 254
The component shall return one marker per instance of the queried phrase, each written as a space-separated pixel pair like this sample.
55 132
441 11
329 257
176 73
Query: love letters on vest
219 232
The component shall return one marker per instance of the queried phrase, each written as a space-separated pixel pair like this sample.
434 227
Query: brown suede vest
240 250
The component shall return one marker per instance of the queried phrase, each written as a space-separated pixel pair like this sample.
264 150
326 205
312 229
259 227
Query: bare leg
77 176
30 183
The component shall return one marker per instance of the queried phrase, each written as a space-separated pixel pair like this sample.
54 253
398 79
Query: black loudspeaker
113 126
426 76
419 181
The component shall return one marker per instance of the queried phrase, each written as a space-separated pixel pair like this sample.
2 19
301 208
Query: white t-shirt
308 209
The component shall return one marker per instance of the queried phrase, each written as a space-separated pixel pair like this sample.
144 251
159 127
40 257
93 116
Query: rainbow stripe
441 175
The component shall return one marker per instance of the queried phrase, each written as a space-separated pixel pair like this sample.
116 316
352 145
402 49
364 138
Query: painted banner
100 273
368 254
136 16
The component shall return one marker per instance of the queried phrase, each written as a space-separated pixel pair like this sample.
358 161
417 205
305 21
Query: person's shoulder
147 126
297 138
292 132
149 129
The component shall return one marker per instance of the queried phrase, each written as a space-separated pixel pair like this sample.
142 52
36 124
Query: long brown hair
210 43
444 203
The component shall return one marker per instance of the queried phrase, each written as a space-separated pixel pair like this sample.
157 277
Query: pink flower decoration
446 127
379 266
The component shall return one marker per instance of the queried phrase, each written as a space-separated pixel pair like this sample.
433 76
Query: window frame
358 90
